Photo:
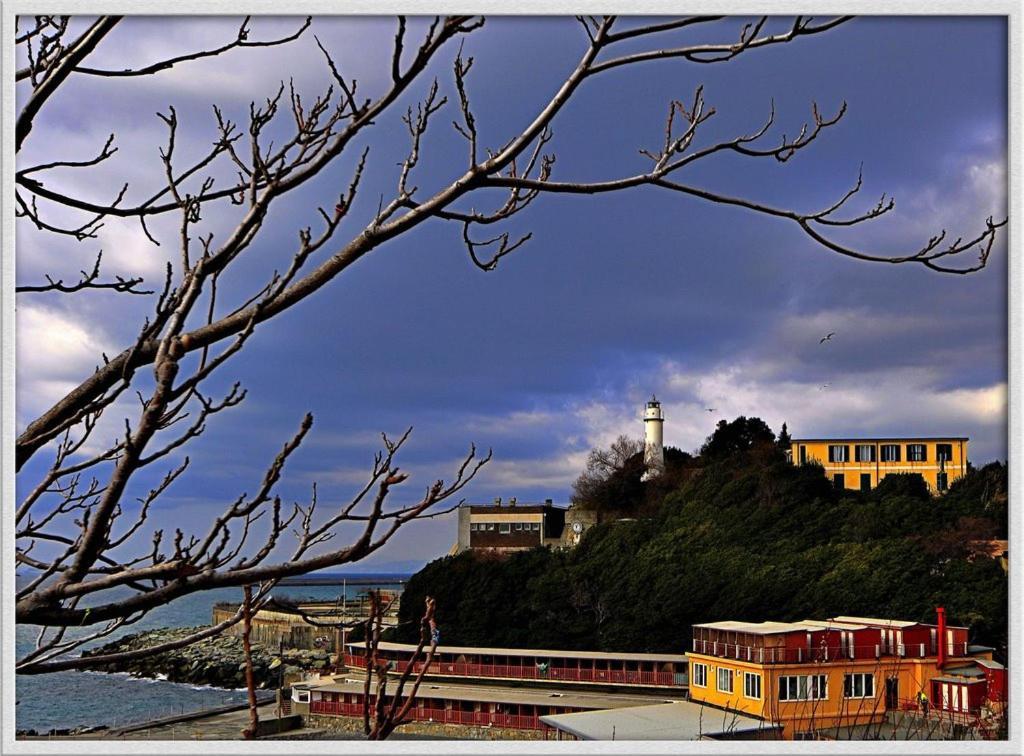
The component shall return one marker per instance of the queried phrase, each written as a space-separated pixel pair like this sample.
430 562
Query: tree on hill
785 441
740 435
611 480
209 206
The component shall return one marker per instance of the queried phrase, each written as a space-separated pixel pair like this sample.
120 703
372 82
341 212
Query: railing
532 672
958 715
820 653
440 716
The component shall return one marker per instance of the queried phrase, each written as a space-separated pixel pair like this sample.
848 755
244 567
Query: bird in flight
827 338
824 386
710 409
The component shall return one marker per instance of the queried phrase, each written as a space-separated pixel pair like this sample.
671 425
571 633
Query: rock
217 661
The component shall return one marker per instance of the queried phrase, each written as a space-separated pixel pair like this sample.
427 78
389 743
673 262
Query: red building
460 704
584 667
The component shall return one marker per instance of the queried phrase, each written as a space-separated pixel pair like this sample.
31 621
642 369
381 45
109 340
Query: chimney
497 501
549 501
941 612
512 501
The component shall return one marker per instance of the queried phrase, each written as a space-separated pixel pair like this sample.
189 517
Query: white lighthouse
654 451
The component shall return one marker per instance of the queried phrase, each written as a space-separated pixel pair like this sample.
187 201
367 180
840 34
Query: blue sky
615 297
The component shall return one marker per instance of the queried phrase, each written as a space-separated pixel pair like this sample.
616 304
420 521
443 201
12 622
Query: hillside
746 536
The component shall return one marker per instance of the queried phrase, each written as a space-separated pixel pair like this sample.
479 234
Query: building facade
813 676
509 527
861 463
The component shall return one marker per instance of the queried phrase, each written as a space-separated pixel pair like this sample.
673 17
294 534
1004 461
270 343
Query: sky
615 297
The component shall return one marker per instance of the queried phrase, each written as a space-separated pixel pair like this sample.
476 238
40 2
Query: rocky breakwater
218 661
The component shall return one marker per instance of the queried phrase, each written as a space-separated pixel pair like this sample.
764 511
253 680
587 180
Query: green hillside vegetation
742 535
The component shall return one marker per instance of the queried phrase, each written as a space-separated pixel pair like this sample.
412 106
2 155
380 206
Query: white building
654 449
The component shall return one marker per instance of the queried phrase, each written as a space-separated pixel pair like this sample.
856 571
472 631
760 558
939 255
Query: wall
270 632
912 676
354 724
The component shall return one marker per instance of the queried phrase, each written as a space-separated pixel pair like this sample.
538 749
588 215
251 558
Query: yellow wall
801 716
817 452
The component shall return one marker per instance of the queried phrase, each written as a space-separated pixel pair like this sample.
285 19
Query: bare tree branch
74 525
89 280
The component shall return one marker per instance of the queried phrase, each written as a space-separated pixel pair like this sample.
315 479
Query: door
892 693
865 481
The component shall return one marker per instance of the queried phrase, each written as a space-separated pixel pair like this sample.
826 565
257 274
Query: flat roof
533 506
683 720
829 624
755 628
840 623
875 621
882 438
500 694
545 653
891 622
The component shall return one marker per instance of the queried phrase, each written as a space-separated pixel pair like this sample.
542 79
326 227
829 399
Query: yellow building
860 463
811 676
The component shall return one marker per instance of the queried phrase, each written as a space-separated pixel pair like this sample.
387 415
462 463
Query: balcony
533 672
819 654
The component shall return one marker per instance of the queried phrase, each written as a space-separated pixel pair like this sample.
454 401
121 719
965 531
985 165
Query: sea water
65 700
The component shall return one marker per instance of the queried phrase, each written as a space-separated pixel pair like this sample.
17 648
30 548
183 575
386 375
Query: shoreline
216 663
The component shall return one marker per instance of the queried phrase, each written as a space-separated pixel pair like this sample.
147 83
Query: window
490 526
942 481
864 453
752 685
724 680
803 687
700 675
536 526
944 452
839 480
504 527
838 453
865 481
917 453
472 527
803 454
890 452
859 686
519 526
